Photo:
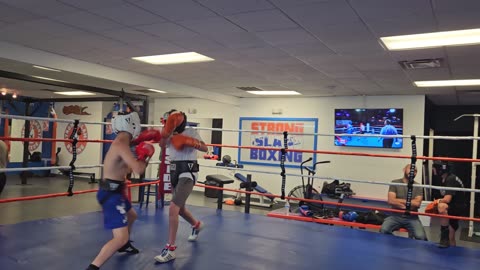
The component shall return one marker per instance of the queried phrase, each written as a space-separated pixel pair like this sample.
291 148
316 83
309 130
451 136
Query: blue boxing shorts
115 207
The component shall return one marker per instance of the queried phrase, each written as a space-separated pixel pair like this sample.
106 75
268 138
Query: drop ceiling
315 47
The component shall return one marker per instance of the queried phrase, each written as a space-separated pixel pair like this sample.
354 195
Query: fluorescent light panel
274 93
49 79
432 40
446 83
175 58
75 93
157 91
46 68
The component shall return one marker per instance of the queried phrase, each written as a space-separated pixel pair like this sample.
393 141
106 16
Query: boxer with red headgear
183 144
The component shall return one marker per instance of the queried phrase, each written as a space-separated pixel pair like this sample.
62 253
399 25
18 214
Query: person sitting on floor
397 196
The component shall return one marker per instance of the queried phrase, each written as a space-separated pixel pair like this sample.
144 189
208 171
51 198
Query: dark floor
16 212
230 240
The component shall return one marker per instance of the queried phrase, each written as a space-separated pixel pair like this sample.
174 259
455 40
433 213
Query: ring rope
266 148
48 168
254 131
340 204
50 140
343 180
347 153
411 176
62 194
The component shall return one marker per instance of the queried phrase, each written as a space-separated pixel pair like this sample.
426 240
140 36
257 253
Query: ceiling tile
177 10
211 26
52 28
323 13
239 40
200 44
296 3
129 15
168 31
287 36
92 4
306 49
229 7
43 8
10 14
263 21
87 21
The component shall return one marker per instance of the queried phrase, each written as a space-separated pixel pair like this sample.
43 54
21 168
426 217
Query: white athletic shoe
166 255
194 235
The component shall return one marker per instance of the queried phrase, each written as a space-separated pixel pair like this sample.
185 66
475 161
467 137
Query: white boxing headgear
127 122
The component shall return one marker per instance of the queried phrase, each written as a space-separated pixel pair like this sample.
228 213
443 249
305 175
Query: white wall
91 155
342 167
16 131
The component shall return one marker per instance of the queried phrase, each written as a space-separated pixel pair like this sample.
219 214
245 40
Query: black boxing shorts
182 166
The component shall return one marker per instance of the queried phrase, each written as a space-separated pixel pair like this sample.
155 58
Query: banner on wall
259 138
82 135
35 133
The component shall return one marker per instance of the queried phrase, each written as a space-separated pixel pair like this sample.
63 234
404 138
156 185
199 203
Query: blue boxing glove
305 211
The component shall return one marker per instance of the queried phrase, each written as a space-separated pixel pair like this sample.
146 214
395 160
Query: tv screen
369 121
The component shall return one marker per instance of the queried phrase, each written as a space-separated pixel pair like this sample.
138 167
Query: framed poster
254 132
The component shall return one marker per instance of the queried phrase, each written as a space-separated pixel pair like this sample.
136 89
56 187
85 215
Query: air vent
249 88
422 63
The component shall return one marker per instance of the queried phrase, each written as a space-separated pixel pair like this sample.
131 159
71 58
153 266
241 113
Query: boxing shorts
182 166
115 205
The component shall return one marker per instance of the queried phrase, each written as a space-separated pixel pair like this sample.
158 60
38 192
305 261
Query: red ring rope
348 153
266 148
52 195
51 140
340 204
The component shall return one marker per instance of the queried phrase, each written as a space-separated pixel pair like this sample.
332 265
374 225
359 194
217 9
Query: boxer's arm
202 147
137 166
446 199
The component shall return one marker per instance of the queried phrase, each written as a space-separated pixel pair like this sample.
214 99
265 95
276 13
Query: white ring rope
70 121
49 168
343 180
455 138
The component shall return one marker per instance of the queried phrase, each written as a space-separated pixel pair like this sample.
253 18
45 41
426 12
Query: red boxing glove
432 207
148 135
144 151
180 141
173 121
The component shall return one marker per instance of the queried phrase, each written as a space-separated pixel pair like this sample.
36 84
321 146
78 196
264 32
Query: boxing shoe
195 231
444 239
168 254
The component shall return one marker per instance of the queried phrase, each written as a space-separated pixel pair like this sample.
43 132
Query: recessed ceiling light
274 93
46 68
157 91
14 95
175 58
446 83
432 40
49 79
75 93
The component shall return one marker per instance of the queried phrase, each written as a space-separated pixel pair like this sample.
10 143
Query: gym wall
346 167
91 154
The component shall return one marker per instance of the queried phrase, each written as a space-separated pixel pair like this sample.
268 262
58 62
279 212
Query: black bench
220 181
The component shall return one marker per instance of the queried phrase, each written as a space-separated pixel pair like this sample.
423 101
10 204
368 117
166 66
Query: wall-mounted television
388 121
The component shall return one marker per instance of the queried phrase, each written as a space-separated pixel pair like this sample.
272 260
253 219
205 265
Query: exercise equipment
66 172
262 202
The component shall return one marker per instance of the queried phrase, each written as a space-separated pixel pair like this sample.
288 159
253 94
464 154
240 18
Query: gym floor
17 212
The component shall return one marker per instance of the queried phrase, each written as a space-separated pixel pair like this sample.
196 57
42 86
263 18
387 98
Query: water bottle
287 208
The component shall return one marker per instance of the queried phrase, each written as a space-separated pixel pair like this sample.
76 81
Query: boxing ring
231 239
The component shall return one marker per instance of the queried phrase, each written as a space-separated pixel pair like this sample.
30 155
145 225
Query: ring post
247 195
282 162
411 176
74 137
474 169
